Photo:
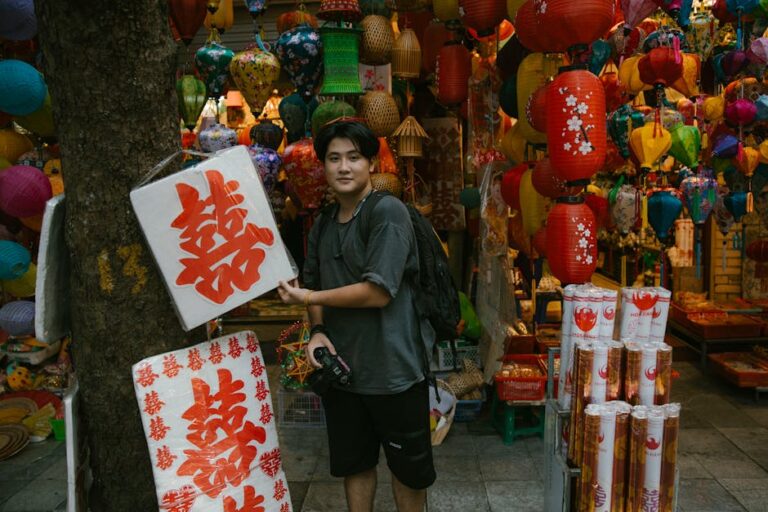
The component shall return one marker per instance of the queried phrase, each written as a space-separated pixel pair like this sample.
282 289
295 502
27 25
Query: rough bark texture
110 69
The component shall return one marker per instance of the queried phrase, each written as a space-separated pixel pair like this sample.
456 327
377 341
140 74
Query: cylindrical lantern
253 71
529 30
483 15
340 61
305 173
536 109
14 260
379 109
377 40
191 95
406 55
212 62
626 209
571 240
510 185
22 88
546 182
435 36
454 66
576 125
301 56
24 191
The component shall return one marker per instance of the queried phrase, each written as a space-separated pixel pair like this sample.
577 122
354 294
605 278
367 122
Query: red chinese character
280 490
253 343
152 403
270 462
285 507
165 458
257 367
234 348
225 443
266 414
158 428
261 390
216 354
251 503
170 366
179 500
145 376
195 361
213 269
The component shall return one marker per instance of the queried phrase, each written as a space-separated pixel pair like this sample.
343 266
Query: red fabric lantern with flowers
483 15
510 185
576 130
305 173
454 66
661 66
569 23
571 242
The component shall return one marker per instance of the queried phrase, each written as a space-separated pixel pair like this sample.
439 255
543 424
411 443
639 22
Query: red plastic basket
521 388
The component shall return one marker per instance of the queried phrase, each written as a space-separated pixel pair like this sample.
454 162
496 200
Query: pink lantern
636 11
24 191
305 173
740 112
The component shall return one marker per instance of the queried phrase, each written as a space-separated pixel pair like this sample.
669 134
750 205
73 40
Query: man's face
347 171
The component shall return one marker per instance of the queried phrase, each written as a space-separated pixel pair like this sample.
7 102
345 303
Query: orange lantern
187 17
569 24
483 15
571 241
292 19
530 33
454 66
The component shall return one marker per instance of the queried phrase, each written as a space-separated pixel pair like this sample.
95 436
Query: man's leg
407 499
360 489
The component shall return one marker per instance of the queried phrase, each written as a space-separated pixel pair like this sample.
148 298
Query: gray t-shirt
382 346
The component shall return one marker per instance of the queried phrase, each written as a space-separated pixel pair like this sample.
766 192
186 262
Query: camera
333 370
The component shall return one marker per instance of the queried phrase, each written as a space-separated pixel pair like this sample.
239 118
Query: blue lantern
301 55
663 209
296 114
17 20
22 88
725 146
14 260
736 204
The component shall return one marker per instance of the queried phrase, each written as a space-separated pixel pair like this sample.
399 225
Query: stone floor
723 458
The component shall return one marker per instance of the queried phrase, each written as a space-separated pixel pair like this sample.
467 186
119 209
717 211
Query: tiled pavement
723 462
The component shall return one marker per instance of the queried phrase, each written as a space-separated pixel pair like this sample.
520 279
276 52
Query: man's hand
318 340
290 293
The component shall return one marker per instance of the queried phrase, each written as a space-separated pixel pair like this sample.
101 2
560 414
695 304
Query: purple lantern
267 163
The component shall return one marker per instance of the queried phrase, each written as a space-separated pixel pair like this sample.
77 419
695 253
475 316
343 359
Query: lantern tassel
725 243
698 252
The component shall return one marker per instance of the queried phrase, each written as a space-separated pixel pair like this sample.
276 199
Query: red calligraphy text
257 367
261 390
157 428
266 414
253 343
251 504
165 457
152 403
170 366
194 360
280 490
145 376
216 354
179 500
270 462
234 348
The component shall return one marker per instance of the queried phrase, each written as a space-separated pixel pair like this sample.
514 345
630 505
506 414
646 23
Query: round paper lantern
663 209
340 61
17 20
686 145
529 29
14 260
649 143
191 96
547 183
626 209
532 204
267 163
301 56
510 185
328 111
254 70
536 109
532 74
406 55
576 125
571 240
741 112
569 24
600 209
24 191
217 137
483 15
513 144
379 109
187 17
292 19
454 67
296 114
40 121
22 88
539 242
24 286
18 318
377 40
267 134
435 36
305 173
212 61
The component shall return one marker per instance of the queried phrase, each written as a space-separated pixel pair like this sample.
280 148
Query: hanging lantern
374 7
482 15
569 24
292 19
510 185
435 37
686 145
571 241
24 191
725 145
649 143
301 56
217 137
328 111
22 88
629 75
536 109
187 17
621 122
387 182
668 117
533 74
296 114
191 95
339 10
615 92
724 220
700 193
454 67
600 209
340 58
39 121
376 41
547 183
539 242
409 137
19 22
530 31
13 144
599 53
379 110
741 112
625 210
222 18
446 10
576 125
512 8
532 204
15 260
253 71
736 204
636 11
267 134
687 84
663 209
267 163
661 66
256 8
513 144
212 62
305 173
406 55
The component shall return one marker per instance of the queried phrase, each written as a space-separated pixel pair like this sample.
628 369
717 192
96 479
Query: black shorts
359 424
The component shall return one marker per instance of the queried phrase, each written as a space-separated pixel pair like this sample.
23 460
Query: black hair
364 140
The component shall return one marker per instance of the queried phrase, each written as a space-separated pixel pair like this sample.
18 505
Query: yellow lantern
750 158
23 286
649 143
513 144
762 150
629 75
446 10
532 204
714 108
4 163
687 84
254 70
223 18
533 73
40 121
13 144
512 7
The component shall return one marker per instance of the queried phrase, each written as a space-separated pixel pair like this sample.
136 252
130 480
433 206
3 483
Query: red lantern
576 131
721 12
505 31
571 241
540 242
529 32
305 173
435 36
546 182
568 23
536 109
187 17
418 21
615 92
510 185
599 207
454 66
483 15
758 252
661 66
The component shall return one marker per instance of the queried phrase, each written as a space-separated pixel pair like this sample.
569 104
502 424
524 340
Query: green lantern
212 62
191 93
340 58
328 111
686 144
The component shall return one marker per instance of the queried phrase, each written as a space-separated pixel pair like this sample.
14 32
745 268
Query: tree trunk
110 70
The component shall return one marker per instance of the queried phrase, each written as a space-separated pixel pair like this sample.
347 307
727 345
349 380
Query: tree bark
110 69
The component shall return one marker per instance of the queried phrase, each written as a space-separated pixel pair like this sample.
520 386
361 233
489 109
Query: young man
361 306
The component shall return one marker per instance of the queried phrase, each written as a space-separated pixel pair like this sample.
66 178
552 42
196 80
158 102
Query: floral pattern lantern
267 163
212 62
626 209
576 125
339 10
253 71
700 194
301 55
191 95
621 122
305 173
571 240
217 137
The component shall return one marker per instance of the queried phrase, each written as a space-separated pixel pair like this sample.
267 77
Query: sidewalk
723 457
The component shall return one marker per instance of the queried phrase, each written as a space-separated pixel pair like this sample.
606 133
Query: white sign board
210 428
52 316
212 232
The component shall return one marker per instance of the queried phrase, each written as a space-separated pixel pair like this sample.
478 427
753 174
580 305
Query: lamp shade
454 67
629 75
571 241
406 55
17 20
22 88
300 52
212 62
686 145
24 191
649 143
570 23
191 95
222 18
14 260
663 209
482 15
267 163
377 40
576 125
217 137
687 84
736 204
187 17
625 211
267 134
529 29
305 173
340 61
18 318
636 11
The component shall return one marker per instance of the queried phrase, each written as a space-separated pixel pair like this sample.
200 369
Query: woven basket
379 110
409 137
377 40
387 182
406 55
439 435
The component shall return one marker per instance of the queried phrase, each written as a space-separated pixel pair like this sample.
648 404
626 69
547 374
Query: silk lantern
454 67
736 204
482 15
615 92
636 11
621 122
599 53
305 173
14 260
663 209
536 109
741 112
267 134
725 145
702 34
626 208
686 145
513 144
571 241
192 96
340 61
22 88
570 24
661 66
629 75
700 193
222 18
649 143
532 204
267 163
576 125
253 71
547 183
187 17
510 185
212 63
17 20
292 19
217 137
301 56
687 84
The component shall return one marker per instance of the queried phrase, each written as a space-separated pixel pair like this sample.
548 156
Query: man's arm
359 295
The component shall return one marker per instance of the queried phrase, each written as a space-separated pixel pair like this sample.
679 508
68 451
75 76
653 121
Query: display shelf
703 346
